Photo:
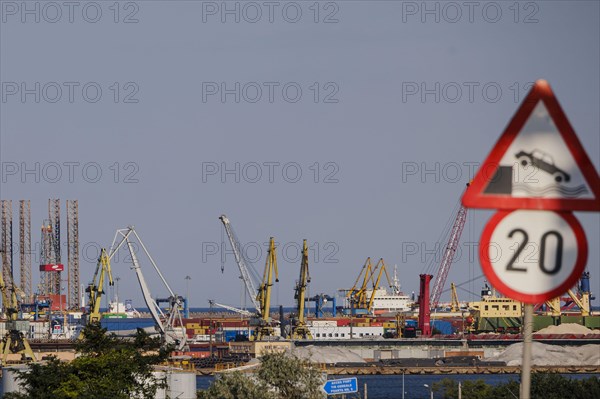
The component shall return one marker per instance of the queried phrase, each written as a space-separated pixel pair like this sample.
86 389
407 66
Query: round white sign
533 256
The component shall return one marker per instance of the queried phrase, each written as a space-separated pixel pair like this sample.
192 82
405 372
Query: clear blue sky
389 90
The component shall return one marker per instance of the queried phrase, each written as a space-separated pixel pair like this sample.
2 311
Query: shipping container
443 326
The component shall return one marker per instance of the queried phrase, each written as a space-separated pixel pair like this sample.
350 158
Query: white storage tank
9 382
181 384
161 393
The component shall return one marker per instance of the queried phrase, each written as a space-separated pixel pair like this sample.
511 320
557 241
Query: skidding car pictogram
543 162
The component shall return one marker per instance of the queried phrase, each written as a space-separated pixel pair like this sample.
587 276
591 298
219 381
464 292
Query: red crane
451 247
425 301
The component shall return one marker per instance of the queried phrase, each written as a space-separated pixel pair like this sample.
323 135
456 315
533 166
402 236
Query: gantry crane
264 292
299 328
14 341
242 262
170 326
96 288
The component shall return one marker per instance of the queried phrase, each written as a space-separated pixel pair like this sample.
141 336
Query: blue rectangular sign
344 385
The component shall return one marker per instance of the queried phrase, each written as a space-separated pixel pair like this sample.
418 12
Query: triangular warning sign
538 163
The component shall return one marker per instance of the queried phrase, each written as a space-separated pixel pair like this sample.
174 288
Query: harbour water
390 387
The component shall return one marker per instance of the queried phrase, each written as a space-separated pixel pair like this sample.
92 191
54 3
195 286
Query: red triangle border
474 197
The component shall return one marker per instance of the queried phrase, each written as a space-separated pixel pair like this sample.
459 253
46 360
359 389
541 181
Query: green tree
543 386
555 386
108 367
477 389
236 386
280 376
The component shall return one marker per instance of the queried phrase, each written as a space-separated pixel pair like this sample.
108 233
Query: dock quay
373 369
436 348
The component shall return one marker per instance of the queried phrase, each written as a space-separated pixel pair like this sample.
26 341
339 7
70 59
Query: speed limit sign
533 256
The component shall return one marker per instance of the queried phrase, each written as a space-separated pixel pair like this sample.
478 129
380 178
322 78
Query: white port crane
242 262
165 323
233 309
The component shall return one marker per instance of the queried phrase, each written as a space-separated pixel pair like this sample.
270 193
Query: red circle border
580 262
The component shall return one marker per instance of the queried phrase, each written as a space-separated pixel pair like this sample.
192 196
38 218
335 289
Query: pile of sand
327 354
567 328
551 355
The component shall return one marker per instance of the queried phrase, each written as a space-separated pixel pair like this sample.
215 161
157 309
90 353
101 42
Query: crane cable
222 249
434 263
464 283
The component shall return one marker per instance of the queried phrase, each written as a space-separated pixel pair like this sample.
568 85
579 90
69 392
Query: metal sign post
527 343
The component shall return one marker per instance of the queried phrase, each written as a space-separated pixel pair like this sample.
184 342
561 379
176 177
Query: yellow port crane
14 341
96 288
299 328
264 293
360 296
582 303
454 304
381 266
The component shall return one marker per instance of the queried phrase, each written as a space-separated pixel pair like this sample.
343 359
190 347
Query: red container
343 322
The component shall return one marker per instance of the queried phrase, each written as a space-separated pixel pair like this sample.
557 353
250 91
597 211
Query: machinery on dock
299 328
264 328
369 296
449 252
425 301
243 312
170 325
454 303
14 340
581 299
95 289
261 297
242 262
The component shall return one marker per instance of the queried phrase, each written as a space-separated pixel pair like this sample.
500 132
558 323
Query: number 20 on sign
533 256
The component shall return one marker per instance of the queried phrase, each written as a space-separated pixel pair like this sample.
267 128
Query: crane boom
381 266
359 295
165 324
96 288
454 303
150 302
233 309
583 304
300 330
14 341
449 252
264 292
241 262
